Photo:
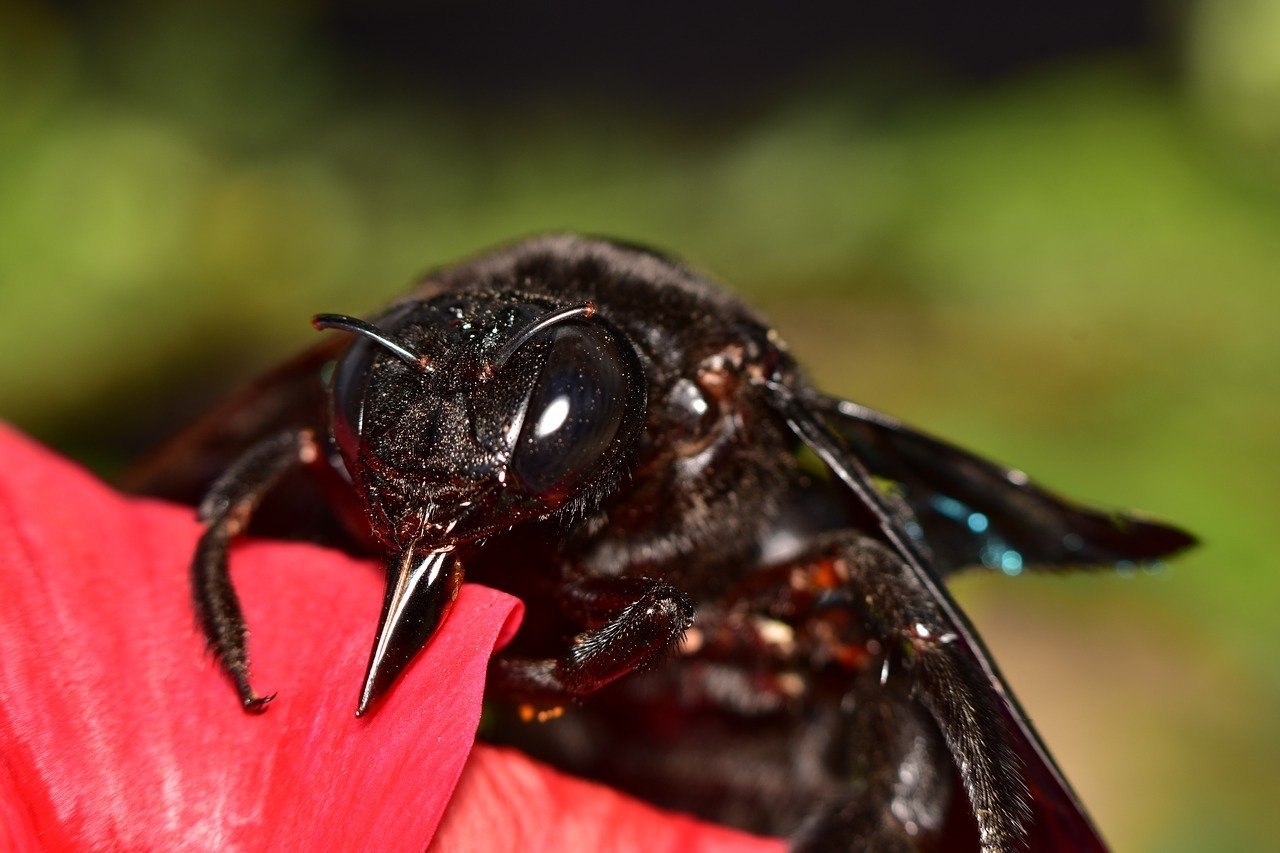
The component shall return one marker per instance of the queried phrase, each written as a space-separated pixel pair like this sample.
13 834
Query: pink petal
116 730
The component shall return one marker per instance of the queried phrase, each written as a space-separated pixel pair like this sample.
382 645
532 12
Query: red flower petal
547 810
117 731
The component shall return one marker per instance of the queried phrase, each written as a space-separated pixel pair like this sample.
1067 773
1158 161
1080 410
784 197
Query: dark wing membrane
974 512
291 395
1058 820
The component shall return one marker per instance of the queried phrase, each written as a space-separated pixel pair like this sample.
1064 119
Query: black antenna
373 333
586 309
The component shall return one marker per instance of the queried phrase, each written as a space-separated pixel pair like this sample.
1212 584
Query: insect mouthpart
422 584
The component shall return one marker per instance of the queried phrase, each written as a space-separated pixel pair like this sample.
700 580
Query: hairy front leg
226 511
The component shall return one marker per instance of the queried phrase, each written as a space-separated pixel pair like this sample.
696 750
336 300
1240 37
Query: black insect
714 621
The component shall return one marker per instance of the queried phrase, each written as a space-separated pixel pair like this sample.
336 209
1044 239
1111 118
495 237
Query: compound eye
350 378
576 409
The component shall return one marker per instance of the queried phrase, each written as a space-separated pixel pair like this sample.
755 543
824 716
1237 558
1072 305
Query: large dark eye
578 405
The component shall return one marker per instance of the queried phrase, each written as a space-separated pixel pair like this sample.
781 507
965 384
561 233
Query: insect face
459 419
511 409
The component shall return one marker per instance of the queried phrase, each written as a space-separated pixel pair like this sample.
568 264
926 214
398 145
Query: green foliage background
1073 269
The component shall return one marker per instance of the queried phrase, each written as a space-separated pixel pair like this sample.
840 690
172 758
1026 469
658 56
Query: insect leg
644 620
904 786
948 682
226 511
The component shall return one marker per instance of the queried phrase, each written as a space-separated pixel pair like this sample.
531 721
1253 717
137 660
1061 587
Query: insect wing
975 512
1058 820
291 395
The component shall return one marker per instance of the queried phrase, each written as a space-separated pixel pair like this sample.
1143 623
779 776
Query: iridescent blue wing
976 513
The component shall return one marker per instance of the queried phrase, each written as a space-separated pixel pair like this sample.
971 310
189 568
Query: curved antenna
373 333
559 315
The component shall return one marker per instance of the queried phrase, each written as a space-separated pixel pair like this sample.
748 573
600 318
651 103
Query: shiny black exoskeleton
713 622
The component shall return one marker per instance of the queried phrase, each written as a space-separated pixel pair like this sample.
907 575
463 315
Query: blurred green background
1052 235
